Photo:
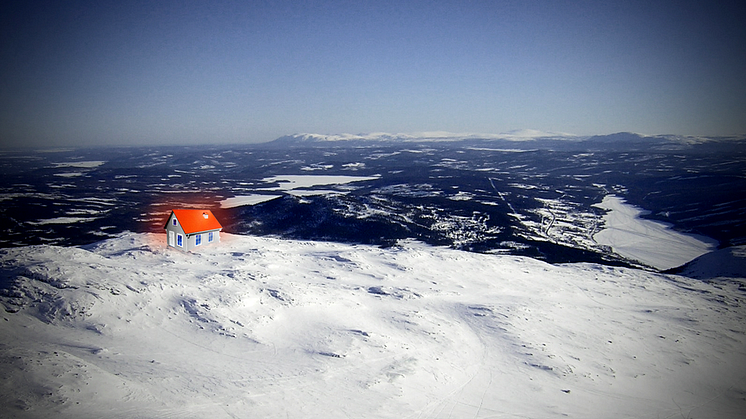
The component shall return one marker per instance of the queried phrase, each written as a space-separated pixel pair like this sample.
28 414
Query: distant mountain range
526 139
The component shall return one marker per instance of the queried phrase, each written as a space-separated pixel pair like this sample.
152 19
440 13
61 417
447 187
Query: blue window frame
180 240
198 240
174 220
210 237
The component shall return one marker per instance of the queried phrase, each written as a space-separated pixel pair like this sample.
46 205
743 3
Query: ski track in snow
260 327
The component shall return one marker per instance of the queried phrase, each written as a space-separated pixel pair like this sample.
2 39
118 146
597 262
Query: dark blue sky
188 72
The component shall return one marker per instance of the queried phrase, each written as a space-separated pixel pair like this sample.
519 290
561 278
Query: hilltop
264 327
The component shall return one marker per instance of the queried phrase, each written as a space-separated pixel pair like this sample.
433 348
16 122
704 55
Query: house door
170 238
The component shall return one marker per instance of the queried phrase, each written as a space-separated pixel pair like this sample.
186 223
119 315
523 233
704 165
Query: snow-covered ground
268 328
650 242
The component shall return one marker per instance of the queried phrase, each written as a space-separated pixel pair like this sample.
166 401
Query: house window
198 240
174 221
210 237
180 240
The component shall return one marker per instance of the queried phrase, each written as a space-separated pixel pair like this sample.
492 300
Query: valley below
377 277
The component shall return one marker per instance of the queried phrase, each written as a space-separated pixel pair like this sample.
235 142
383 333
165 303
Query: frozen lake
651 242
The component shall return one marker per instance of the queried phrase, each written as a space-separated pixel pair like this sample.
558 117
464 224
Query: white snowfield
268 328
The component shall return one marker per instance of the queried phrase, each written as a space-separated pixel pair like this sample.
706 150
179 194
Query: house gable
173 223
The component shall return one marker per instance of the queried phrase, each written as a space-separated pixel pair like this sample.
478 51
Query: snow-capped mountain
436 136
268 328
527 138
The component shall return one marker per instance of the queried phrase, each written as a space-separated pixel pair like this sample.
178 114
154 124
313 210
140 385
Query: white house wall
191 240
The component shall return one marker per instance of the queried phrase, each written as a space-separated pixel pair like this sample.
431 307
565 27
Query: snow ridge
262 327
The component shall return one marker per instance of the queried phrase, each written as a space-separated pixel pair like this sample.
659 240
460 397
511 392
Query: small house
189 229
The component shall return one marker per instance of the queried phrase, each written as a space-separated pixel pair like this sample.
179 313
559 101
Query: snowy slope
260 327
723 263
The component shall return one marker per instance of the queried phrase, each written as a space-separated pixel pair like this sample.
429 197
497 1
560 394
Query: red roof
196 221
